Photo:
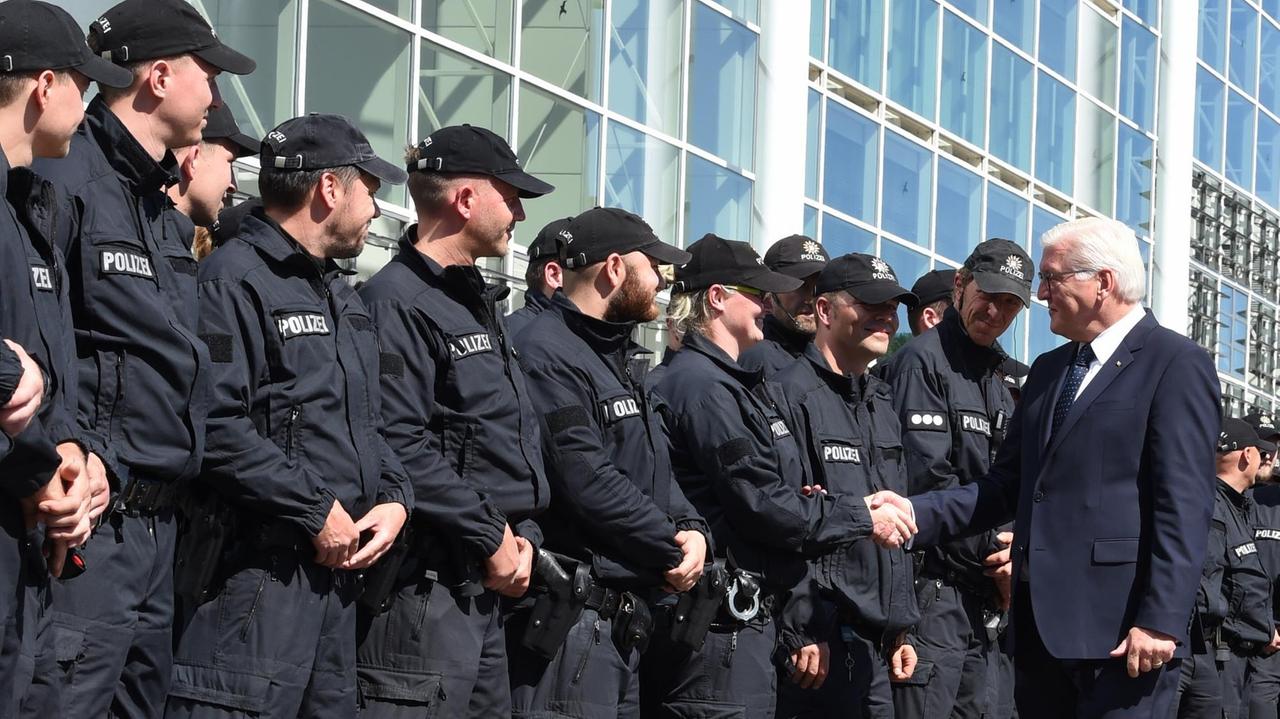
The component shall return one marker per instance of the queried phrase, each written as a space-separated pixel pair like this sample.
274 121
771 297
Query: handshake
893 521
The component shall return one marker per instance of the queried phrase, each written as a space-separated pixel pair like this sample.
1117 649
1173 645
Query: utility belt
1210 639
145 498
930 565
419 553
563 588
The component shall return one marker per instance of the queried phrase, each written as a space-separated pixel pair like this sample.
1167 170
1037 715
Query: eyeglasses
1057 278
745 290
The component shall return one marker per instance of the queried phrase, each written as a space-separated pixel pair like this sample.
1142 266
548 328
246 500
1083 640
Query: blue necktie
1075 375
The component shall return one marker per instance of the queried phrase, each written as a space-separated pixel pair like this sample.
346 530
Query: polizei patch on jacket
779 429
124 262
42 278
839 452
1272 534
1245 549
297 324
976 423
468 345
620 408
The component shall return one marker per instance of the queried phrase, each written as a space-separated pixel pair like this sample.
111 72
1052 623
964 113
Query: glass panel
1042 221
1040 338
1010 108
745 9
976 9
960 208
1240 149
265 32
1098 57
811 145
964 79
1133 180
1242 70
644 62
1268 171
641 175
402 8
453 89
1213 33
1269 75
1006 215
1209 107
717 200
1096 156
1014 21
558 142
1058 36
1148 9
841 238
482 25
908 265
1013 338
1055 133
908 177
722 86
913 54
1272 8
373 93
562 43
817 27
810 221
851 153
1138 74
857 39
1232 330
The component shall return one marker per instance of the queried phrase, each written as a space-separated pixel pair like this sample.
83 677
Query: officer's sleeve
240 463
10 373
395 485
806 617
29 460
1250 617
926 428
584 480
1211 599
739 456
446 502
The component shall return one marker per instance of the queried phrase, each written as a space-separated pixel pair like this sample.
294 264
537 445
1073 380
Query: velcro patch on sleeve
391 364
733 450
567 418
219 347
360 323
926 420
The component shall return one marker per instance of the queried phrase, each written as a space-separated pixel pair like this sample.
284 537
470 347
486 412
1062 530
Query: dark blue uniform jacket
1235 589
779 348
1266 533
534 304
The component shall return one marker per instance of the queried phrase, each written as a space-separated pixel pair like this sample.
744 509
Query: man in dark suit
1104 471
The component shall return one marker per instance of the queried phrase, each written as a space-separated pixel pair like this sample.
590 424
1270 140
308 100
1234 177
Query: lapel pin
1118 363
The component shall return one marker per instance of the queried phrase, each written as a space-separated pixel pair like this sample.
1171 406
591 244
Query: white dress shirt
1108 341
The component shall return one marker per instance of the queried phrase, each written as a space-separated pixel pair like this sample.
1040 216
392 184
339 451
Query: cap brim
241 144
874 293
527 185
769 281
384 171
994 283
1265 446
104 72
801 270
667 254
226 59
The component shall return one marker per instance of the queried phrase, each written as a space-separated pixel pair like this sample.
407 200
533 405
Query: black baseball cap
933 286
796 256
1264 423
1001 267
469 150
545 245
601 231
221 125
320 142
717 261
1237 434
37 36
869 279
136 30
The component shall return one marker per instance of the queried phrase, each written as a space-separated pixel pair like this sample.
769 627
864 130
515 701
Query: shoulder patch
975 422
733 450
1266 533
779 429
360 323
298 324
468 345
125 262
391 364
840 452
42 278
1244 550
567 418
219 347
619 408
926 420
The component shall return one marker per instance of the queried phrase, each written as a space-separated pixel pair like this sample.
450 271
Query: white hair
1101 243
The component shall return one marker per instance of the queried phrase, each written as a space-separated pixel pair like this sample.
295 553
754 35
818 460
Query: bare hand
999 566
337 540
16 414
812 663
66 517
892 519
1145 650
694 547
502 569
385 521
902 664
99 488
1274 645
811 489
524 574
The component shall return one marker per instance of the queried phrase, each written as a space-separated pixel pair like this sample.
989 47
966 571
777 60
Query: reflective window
1055 133
1138 74
1042 220
641 176
722 86
976 9
913 54
1267 180
1269 68
746 9
1011 105
1239 166
265 31
86 11
1014 21
908 176
644 61
1209 107
373 93
1272 8
817 27
908 265
1233 330
1133 180
1242 70
1040 338
964 79
1013 339
1148 10
482 25
841 238
1098 43
857 39
1095 156
812 145
401 8
810 221
1058 36
558 142
562 43
959 229
1213 33
851 154
1006 215
717 200
454 89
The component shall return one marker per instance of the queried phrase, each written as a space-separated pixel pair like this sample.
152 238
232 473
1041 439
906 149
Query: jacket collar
852 389
697 342
1240 500
536 301
270 239
957 343
125 155
793 341
603 336
463 282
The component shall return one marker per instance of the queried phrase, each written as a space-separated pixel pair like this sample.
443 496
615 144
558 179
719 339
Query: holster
697 608
564 585
209 525
632 624
379 588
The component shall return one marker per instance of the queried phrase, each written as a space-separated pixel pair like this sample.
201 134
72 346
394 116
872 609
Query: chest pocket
303 338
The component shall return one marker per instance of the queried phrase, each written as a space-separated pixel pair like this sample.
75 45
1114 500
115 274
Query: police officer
143 370
543 276
1262 683
204 171
789 324
843 420
295 445
1233 618
460 417
934 289
739 465
615 503
954 409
